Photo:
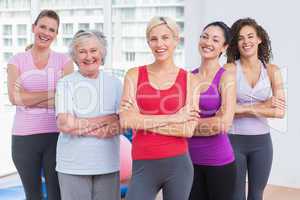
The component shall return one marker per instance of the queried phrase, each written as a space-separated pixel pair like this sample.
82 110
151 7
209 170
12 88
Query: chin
41 45
161 58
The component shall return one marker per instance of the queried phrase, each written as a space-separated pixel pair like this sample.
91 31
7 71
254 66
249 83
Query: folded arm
130 116
70 124
221 122
274 107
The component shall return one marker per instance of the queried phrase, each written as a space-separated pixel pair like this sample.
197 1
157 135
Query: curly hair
264 48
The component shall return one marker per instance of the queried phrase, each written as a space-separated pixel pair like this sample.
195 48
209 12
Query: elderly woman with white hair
86 105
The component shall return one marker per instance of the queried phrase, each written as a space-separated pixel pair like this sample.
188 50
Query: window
7 56
83 26
99 26
179 12
68 28
7 42
67 41
22 42
7 30
130 56
21 29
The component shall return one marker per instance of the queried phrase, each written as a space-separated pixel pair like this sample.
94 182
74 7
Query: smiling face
248 42
88 55
45 32
162 42
212 42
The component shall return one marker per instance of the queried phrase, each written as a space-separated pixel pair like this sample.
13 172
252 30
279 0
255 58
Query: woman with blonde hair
156 105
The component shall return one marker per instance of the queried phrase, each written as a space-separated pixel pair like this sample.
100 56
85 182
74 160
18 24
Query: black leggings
213 182
30 155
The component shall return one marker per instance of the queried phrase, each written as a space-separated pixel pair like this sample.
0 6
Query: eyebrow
249 34
214 36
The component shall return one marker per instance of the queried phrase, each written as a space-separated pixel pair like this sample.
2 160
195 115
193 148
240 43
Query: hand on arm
103 126
221 122
274 107
107 126
19 96
178 124
130 116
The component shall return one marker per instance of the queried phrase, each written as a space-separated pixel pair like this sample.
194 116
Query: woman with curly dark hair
260 95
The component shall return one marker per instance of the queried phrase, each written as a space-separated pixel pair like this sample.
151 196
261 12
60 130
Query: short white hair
82 35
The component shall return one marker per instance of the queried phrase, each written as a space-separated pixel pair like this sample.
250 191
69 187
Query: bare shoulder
230 67
273 70
228 76
272 67
132 74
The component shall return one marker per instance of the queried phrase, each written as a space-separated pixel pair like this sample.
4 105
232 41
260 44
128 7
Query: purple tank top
211 150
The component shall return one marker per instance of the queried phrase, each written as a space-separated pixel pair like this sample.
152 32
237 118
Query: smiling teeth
247 47
160 50
43 38
207 49
89 62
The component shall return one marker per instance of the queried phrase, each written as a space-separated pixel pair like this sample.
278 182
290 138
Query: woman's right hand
276 102
185 114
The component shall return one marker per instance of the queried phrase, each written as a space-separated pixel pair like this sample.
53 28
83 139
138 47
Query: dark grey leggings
173 175
253 154
32 153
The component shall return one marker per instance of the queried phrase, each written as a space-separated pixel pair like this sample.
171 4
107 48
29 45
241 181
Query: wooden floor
274 193
281 193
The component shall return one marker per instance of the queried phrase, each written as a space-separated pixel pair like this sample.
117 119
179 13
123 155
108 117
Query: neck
166 65
250 62
41 52
92 75
209 66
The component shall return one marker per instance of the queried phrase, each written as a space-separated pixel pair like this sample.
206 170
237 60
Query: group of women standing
196 134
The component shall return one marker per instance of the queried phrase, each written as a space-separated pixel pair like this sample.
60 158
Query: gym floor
274 193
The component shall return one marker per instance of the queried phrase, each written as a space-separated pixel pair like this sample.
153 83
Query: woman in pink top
32 77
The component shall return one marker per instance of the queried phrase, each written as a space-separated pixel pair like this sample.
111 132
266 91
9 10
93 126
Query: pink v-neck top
29 121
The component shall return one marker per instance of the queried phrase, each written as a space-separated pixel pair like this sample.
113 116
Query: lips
44 38
159 51
207 49
87 62
247 47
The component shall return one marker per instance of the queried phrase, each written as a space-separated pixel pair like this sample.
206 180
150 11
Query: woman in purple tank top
210 149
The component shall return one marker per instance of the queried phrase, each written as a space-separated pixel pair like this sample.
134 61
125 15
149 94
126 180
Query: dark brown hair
48 13
264 48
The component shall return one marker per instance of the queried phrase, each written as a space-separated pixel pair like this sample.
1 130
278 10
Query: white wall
281 20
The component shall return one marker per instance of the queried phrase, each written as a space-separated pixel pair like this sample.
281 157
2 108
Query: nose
160 42
245 40
208 42
88 56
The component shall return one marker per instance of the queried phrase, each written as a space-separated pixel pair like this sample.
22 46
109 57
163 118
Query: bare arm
109 129
274 107
68 123
222 121
130 117
190 111
67 69
19 96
